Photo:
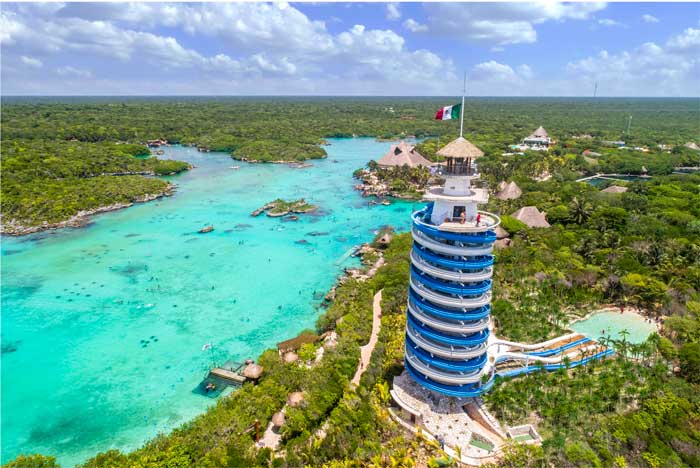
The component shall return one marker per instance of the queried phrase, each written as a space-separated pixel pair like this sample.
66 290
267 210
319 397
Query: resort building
450 287
531 217
403 154
538 140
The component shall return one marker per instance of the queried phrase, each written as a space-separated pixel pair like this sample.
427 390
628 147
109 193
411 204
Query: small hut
403 154
278 419
294 399
501 233
291 356
615 189
458 156
252 371
531 216
511 191
538 139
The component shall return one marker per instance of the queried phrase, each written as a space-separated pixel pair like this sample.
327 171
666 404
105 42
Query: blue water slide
446 364
461 391
551 352
468 289
466 263
486 237
425 306
470 339
554 367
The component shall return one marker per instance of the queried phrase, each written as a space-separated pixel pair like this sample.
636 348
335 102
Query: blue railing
439 336
462 391
473 289
428 307
475 262
446 364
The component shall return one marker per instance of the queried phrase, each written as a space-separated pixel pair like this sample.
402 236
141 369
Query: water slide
556 365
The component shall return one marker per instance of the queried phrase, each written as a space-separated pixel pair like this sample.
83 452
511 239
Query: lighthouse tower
449 297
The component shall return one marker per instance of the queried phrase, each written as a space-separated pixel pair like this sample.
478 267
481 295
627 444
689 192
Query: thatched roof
502 243
252 371
502 184
460 148
278 419
296 342
403 154
531 216
510 192
295 398
501 233
539 133
291 357
692 145
615 189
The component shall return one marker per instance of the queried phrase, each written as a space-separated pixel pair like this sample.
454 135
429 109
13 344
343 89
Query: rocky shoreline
81 218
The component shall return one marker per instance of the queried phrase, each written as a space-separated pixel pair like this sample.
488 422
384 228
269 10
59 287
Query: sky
506 49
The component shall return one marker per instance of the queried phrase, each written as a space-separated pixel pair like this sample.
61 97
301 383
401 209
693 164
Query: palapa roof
510 192
295 398
615 189
253 371
501 233
460 148
278 419
291 356
692 145
403 154
539 133
531 216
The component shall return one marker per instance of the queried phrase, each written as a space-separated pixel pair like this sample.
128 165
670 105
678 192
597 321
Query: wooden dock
228 375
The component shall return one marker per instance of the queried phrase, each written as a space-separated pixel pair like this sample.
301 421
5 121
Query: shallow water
610 324
103 327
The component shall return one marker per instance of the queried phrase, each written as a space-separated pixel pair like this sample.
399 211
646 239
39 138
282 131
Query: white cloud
74 72
501 23
393 11
524 71
607 22
31 62
414 26
650 19
671 69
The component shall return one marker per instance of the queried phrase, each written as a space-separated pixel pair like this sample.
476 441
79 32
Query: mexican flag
449 112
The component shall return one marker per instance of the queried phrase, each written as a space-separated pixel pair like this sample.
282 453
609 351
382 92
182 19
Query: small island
278 208
401 173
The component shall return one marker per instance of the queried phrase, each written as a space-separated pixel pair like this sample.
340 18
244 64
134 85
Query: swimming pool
610 324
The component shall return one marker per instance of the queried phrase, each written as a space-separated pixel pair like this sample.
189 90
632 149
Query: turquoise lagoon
103 327
610 324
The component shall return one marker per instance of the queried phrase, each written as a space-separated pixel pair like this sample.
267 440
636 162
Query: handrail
480 237
465 264
423 265
450 326
439 285
466 352
461 391
464 314
445 377
450 301
434 335
457 250
444 363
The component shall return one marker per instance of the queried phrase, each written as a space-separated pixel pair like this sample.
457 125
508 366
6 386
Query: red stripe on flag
438 114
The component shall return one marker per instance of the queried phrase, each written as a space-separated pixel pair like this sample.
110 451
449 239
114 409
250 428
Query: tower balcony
467 225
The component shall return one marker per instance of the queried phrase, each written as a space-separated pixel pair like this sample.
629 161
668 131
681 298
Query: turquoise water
103 327
599 181
613 323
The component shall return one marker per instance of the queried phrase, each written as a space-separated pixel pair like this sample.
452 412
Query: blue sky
507 49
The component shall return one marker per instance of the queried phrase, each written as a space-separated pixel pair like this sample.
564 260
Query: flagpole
461 113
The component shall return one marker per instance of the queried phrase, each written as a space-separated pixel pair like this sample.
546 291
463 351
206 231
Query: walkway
366 350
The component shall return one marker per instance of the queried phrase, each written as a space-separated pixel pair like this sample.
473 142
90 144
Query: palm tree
580 210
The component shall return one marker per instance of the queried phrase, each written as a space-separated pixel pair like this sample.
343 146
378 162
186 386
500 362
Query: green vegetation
400 181
642 247
51 181
281 207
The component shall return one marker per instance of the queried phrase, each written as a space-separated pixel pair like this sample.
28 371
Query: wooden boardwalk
227 375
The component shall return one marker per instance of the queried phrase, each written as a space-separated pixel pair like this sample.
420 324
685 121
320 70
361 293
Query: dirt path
366 350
